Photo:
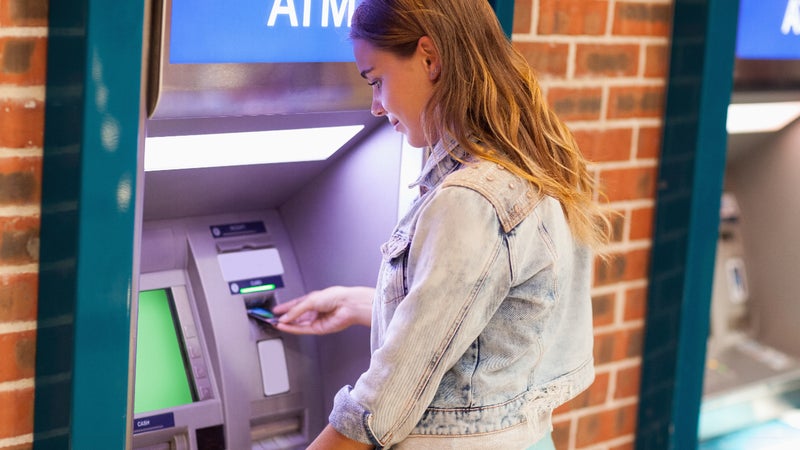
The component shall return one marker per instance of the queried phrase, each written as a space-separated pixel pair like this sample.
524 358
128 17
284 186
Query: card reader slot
264 300
259 307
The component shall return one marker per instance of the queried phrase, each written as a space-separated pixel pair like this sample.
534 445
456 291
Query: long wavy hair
488 99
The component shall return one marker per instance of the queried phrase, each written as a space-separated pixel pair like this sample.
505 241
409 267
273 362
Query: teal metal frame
91 147
691 172
505 14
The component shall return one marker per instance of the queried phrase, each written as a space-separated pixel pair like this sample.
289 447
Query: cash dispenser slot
278 434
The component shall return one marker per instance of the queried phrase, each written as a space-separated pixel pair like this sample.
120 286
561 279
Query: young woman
481 319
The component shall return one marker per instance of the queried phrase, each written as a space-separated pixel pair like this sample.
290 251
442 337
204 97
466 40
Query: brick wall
23 45
603 66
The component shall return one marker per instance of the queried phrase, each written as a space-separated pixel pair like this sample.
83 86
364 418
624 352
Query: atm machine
751 391
264 177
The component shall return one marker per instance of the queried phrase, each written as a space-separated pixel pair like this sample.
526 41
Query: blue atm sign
768 29
260 31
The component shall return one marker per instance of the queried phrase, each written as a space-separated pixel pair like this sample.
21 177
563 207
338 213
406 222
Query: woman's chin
415 142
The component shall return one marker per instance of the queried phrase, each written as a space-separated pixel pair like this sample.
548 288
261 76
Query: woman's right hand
326 311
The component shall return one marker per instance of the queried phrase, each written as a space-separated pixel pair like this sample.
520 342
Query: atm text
331 11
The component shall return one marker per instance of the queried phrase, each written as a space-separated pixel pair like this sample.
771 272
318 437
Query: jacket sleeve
458 273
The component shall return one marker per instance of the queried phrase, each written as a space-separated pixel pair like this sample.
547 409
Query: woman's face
401 87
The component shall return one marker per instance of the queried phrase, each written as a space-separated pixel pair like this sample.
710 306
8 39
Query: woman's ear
430 55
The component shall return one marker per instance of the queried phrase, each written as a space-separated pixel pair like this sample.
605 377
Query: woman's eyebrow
365 72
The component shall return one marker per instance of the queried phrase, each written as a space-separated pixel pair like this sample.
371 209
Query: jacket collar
443 159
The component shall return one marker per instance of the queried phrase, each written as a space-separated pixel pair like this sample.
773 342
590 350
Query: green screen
161 380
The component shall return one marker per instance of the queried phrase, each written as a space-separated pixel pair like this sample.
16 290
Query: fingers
282 308
294 309
301 315
301 328
320 312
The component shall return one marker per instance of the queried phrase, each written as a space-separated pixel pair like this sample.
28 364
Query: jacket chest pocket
392 281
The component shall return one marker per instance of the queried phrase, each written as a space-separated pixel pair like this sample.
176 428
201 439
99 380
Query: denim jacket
482 321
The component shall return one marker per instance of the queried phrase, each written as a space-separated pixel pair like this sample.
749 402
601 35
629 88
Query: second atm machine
752 380
265 177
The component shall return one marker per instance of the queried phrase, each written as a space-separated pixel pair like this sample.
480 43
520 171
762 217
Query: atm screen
162 379
255 31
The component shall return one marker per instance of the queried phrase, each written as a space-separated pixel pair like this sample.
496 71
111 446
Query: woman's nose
377 109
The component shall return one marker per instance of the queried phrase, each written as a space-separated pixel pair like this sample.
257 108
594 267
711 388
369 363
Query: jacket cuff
351 419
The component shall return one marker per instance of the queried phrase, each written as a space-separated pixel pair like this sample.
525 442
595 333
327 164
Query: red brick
20 447
611 346
595 395
649 144
606 425
605 145
16 413
23 61
628 266
523 10
19 240
635 304
636 102
545 59
18 296
576 104
606 60
656 61
20 180
628 382
617 226
634 183
627 446
19 355
22 123
573 17
561 432
23 13
633 18
603 307
641 223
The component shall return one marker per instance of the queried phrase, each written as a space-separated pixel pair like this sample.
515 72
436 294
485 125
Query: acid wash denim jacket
482 321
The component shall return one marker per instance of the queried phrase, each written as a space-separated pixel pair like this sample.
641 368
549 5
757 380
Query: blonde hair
488 99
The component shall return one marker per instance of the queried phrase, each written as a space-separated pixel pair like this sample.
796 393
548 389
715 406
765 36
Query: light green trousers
545 443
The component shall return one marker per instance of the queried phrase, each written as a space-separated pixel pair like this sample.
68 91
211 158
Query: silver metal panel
185 193
337 224
765 181
234 337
